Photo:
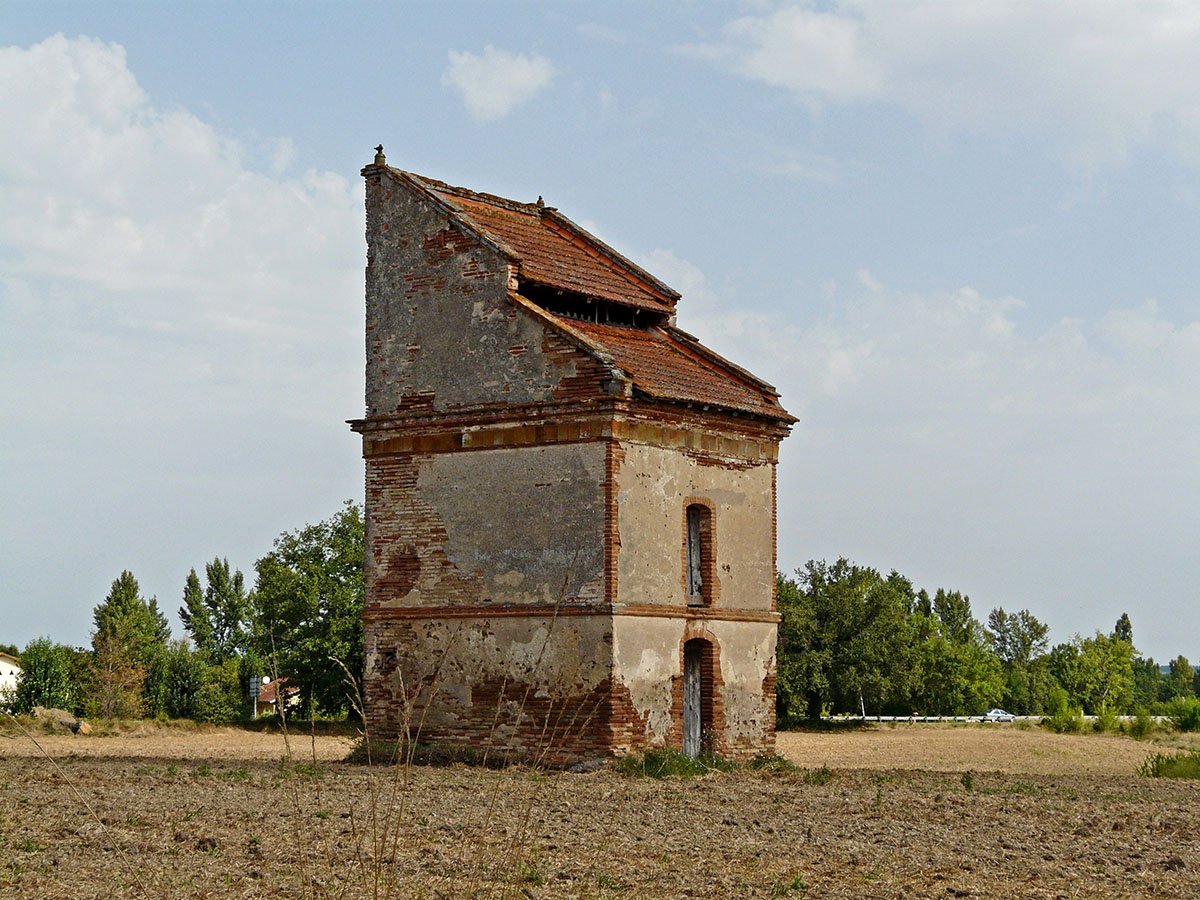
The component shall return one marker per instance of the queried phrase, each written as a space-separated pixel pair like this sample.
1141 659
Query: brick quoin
536 428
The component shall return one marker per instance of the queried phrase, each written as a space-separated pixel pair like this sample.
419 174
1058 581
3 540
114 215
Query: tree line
852 640
301 621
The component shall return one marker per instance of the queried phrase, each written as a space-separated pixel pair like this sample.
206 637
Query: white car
997 715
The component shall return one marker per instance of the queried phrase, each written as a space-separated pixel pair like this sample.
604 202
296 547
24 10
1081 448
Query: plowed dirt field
910 811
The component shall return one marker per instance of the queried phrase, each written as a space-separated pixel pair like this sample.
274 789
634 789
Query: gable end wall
441 332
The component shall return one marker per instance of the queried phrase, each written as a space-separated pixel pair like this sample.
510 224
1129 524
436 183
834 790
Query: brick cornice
550 610
491 428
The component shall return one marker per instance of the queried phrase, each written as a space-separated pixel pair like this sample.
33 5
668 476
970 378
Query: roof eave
781 417
593 348
620 259
694 343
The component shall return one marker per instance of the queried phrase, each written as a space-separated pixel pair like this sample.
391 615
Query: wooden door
692 653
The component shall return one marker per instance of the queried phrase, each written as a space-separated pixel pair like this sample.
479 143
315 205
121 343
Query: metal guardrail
913 720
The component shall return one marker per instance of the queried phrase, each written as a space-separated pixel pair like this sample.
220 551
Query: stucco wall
440 330
520 525
647 672
654 485
538 686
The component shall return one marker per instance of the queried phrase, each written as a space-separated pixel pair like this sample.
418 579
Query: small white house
10 668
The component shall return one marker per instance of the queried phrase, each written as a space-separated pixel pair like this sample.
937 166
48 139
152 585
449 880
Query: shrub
1142 724
1184 713
1185 764
220 697
175 682
1064 720
45 678
1106 720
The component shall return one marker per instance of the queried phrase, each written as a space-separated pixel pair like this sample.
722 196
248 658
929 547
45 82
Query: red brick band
547 610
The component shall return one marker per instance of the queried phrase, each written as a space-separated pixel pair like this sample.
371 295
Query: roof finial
541 204
380 159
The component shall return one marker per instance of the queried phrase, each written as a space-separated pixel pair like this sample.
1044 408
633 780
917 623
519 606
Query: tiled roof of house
667 364
553 251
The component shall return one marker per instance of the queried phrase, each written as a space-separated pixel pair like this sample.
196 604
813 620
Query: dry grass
213 813
959 748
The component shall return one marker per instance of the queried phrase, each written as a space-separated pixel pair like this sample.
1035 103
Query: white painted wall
9 670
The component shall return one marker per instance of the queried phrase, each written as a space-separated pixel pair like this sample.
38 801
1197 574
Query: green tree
953 611
1096 672
1147 682
844 639
194 614
45 678
308 603
1020 641
1180 680
175 681
115 679
1017 638
955 670
220 697
217 618
1124 629
956 679
134 624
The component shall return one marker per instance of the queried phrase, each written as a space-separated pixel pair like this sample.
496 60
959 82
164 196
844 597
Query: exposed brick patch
614 455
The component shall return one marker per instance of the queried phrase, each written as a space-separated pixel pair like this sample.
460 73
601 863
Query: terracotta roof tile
554 251
666 368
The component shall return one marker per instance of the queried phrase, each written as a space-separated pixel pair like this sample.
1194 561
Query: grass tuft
673 764
1184 764
818 776
387 752
774 763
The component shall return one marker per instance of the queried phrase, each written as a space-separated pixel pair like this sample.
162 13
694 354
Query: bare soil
214 813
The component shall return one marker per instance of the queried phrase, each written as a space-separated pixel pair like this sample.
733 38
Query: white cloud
496 82
180 336
1103 75
941 434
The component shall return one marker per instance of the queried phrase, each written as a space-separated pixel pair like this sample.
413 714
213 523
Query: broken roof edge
689 342
596 349
591 347
713 356
423 187
431 186
672 296
556 216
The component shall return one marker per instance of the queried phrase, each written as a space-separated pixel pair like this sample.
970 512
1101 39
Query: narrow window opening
699 554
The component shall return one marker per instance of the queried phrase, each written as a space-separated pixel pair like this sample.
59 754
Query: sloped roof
553 251
667 364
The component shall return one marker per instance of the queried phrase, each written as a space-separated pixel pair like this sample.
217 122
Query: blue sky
959 237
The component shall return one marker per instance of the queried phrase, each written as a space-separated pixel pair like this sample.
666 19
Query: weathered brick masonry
536 431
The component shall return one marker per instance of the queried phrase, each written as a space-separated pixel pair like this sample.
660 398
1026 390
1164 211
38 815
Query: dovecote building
570 502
